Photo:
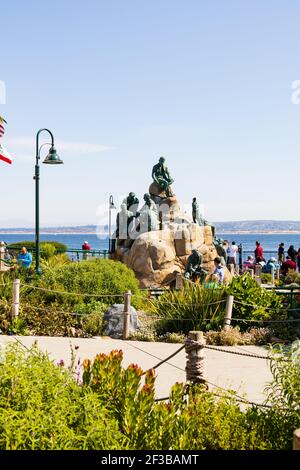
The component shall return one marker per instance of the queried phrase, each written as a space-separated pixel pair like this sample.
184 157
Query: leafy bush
47 312
96 277
47 250
252 302
192 308
53 413
292 278
30 245
111 409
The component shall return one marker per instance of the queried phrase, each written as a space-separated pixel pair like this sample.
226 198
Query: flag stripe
5 159
4 155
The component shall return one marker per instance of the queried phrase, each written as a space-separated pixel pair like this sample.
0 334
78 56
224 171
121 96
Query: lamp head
52 157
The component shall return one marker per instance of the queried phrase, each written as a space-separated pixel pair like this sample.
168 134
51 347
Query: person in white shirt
231 252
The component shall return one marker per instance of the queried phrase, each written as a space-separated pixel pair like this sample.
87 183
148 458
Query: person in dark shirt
281 253
292 253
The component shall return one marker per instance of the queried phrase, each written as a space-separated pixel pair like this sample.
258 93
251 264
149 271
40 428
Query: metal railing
74 254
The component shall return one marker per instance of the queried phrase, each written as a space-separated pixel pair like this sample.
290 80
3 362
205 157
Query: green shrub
52 413
192 308
252 302
30 245
107 280
47 250
292 278
111 409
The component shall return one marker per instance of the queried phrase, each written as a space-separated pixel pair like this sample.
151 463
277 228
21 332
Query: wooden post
258 273
2 252
195 366
228 314
126 313
273 276
251 271
16 299
178 281
296 439
278 274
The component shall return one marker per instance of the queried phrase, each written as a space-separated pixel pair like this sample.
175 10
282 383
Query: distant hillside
258 226
252 226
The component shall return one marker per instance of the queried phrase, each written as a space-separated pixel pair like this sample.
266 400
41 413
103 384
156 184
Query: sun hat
272 258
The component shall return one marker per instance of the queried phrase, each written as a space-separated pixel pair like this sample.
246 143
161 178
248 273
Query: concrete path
248 376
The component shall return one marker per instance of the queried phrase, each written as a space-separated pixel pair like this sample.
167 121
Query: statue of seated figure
161 176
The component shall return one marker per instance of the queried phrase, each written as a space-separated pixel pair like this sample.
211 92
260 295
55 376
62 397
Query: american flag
2 129
4 155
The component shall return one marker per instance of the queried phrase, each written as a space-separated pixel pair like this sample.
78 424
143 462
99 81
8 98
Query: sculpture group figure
194 269
162 177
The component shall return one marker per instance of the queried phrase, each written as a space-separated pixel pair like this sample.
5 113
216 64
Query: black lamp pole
52 158
111 206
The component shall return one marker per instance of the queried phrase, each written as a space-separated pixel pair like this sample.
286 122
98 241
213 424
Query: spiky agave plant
192 308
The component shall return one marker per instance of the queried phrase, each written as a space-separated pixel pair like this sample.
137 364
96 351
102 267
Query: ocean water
269 242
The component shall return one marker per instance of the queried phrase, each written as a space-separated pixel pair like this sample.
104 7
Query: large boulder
114 321
157 256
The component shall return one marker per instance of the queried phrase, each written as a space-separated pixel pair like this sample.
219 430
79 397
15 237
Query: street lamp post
111 206
52 159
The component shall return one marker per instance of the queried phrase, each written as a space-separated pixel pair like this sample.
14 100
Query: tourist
24 258
298 260
259 252
219 269
281 253
272 263
221 251
231 252
292 253
287 265
248 265
85 248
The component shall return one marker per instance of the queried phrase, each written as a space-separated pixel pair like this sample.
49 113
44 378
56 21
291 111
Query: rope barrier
156 357
266 321
256 356
193 304
70 293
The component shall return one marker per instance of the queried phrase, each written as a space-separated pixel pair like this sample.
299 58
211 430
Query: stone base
157 256
156 190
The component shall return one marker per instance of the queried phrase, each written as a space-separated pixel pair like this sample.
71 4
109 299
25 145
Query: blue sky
206 84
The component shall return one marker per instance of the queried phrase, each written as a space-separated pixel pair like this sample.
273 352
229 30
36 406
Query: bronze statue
194 269
131 202
161 176
148 215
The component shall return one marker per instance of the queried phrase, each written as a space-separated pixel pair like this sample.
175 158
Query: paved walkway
248 376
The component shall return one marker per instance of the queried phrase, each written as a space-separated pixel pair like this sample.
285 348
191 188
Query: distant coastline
260 232
105 234
238 227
